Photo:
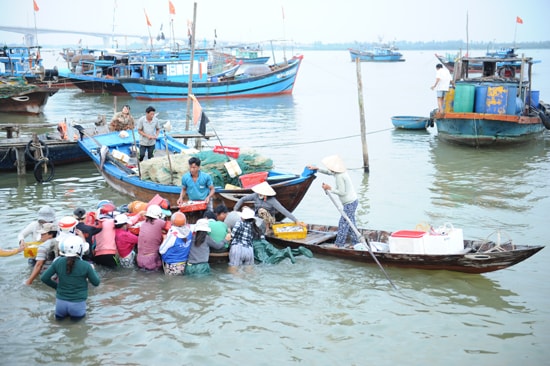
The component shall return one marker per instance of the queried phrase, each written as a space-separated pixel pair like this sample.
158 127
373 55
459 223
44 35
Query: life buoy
31 147
507 72
44 171
544 119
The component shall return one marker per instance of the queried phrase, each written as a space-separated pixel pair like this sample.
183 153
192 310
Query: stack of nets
157 169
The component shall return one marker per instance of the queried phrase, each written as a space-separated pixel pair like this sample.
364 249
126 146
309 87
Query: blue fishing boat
25 62
111 153
410 122
170 81
377 54
493 108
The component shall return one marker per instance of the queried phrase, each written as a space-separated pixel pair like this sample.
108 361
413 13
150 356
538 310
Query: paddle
361 237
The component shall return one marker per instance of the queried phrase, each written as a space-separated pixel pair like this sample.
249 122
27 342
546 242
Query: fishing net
158 169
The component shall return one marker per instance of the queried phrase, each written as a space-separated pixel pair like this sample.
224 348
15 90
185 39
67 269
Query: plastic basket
289 231
227 150
191 206
250 180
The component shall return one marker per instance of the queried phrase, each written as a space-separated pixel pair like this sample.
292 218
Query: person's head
46 214
194 165
48 231
221 212
209 215
79 214
334 163
150 113
247 214
126 109
438 66
106 209
68 224
264 190
153 212
121 220
178 219
201 229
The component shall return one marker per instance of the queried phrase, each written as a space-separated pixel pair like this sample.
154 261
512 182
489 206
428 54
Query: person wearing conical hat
343 188
266 205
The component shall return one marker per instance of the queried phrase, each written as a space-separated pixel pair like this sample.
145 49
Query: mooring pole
362 116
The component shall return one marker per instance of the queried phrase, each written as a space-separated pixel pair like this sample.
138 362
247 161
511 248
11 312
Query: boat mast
191 62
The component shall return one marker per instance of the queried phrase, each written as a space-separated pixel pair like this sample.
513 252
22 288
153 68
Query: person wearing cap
73 277
45 215
125 240
105 252
46 253
122 120
148 128
88 231
197 263
241 251
176 246
266 205
345 191
150 238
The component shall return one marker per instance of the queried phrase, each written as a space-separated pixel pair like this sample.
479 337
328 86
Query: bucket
464 98
449 100
480 99
497 99
533 98
511 100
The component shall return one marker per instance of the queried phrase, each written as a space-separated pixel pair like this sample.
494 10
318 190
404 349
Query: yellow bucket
31 249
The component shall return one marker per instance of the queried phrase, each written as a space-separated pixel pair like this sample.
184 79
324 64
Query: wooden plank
316 238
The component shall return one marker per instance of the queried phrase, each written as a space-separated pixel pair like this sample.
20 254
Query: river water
322 310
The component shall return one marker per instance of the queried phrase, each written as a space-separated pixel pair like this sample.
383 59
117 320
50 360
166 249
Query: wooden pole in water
362 117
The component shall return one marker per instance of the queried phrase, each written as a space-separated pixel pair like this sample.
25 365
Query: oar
168 156
361 237
137 153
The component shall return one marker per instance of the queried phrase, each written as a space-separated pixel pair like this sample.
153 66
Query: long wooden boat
290 188
498 107
477 256
17 96
250 80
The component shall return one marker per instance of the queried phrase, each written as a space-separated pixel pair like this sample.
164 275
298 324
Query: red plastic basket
250 180
229 150
190 206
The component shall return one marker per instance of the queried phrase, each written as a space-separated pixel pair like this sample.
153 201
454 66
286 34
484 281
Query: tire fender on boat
506 72
29 150
44 171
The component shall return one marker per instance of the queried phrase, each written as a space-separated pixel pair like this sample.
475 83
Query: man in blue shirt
196 185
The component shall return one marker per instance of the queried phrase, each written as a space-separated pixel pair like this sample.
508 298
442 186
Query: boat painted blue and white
377 54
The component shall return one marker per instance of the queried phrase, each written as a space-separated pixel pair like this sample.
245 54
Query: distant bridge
30 34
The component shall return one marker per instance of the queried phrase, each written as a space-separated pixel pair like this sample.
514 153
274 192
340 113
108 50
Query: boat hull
469 261
365 56
280 81
410 122
93 85
480 129
30 102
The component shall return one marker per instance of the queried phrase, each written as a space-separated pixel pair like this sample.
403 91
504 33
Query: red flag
197 109
519 20
147 18
171 8
35 5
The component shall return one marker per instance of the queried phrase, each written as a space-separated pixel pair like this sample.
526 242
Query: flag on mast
147 18
35 5
198 114
171 8
519 20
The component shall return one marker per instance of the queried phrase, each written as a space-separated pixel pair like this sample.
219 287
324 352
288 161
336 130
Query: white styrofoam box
451 242
407 241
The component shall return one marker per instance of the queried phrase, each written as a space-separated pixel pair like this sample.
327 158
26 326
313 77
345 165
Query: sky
302 21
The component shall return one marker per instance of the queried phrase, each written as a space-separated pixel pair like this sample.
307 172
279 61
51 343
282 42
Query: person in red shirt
125 240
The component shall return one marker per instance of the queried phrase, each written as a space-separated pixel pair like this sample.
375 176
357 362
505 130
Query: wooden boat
290 188
17 96
497 107
410 122
249 80
477 256
377 54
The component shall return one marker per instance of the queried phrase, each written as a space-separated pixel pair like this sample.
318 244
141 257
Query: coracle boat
111 154
412 249
410 122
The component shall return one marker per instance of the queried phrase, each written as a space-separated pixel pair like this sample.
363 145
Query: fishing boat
412 249
377 54
170 81
497 107
128 177
17 96
26 62
410 122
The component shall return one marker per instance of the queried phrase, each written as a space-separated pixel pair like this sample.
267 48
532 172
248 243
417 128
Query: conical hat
334 163
264 189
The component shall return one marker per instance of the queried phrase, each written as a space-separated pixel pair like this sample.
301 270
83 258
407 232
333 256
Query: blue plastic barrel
511 100
497 99
480 97
533 98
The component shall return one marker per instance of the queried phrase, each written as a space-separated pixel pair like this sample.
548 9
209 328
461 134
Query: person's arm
28 230
182 195
93 276
10 252
242 200
282 210
210 194
35 272
212 244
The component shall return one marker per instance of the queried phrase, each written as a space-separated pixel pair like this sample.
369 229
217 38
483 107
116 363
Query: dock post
20 160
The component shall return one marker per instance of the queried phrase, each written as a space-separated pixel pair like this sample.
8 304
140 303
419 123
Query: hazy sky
299 20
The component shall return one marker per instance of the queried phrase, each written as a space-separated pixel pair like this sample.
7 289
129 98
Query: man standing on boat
149 128
442 81
196 185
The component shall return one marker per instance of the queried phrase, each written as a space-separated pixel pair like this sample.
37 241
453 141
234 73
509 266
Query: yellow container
31 249
289 231
449 100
